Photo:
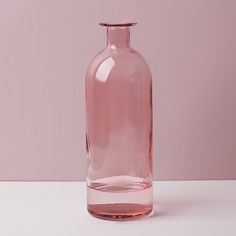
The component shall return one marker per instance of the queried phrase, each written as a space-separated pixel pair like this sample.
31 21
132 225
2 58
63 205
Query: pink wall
45 48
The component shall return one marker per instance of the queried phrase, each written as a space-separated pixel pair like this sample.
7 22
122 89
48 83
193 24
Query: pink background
45 48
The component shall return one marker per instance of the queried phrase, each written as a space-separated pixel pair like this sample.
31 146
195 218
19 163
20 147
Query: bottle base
119 211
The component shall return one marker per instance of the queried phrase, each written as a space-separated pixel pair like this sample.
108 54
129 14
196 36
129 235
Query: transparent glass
119 130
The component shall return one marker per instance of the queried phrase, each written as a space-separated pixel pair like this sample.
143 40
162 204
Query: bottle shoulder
126 60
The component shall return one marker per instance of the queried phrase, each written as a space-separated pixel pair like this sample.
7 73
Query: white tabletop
59 208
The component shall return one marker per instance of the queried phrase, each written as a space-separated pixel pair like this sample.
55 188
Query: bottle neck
118 36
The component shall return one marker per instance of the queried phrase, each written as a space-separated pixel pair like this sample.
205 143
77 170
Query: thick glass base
119 211
120 198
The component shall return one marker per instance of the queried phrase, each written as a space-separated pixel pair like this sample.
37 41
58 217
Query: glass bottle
119 130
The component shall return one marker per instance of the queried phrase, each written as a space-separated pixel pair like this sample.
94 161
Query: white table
59 208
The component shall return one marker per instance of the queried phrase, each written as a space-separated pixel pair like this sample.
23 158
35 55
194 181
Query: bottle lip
113 24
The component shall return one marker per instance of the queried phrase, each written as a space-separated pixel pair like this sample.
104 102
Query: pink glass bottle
119 130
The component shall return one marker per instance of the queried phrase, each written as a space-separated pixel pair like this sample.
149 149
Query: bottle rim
113 24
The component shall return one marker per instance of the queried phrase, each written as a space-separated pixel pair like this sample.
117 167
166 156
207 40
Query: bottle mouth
112 24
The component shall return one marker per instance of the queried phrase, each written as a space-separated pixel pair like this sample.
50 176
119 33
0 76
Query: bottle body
119 134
